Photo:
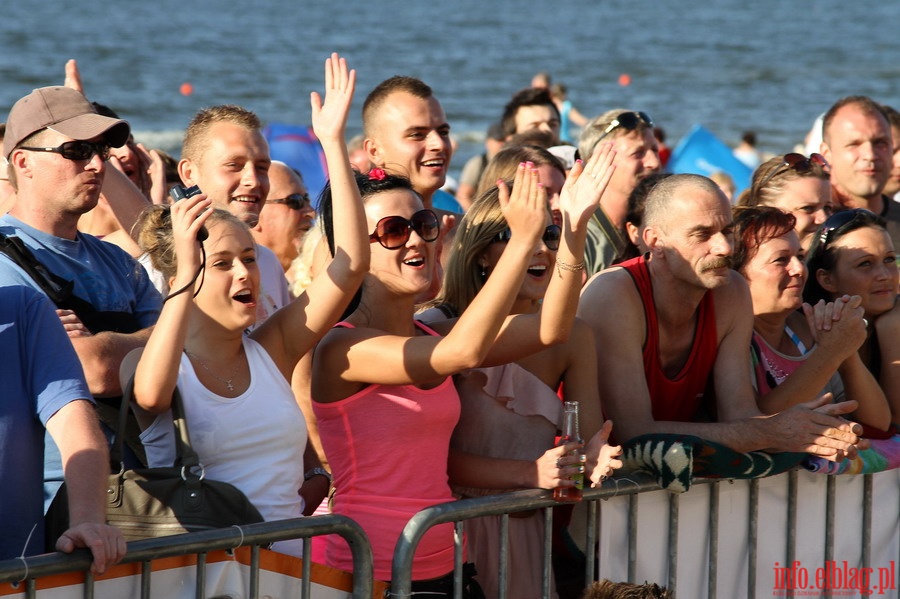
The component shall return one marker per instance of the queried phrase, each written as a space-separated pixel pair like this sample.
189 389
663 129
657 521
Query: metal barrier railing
32 568
29 569
502 505
634 485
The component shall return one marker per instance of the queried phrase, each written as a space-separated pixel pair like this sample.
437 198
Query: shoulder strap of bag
59 290
184 454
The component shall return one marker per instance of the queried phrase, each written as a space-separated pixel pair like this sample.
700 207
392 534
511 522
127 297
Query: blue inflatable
702 153
298 147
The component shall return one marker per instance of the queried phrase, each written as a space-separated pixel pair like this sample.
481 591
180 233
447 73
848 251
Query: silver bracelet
318 471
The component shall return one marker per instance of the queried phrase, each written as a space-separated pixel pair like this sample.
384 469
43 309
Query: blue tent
702 153
298 147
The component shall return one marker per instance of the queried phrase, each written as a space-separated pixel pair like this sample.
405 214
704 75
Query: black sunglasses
797 162
76 150
628 120
841 219
295 201
392 232
552 235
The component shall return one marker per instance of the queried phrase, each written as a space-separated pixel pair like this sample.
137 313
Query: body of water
730 65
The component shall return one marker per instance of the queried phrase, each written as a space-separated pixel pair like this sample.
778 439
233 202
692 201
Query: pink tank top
388 447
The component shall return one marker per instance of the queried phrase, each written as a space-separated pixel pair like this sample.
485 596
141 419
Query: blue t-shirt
104 274
39 373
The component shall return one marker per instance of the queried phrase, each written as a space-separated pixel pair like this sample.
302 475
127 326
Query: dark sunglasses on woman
552 235
392 232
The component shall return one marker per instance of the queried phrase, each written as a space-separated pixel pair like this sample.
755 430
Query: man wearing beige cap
57 145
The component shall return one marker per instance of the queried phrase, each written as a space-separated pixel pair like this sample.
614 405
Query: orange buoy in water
624 79
186 89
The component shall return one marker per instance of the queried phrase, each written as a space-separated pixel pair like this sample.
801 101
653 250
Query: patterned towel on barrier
884 454
676 459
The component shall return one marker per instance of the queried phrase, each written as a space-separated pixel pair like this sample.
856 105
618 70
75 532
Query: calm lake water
764 65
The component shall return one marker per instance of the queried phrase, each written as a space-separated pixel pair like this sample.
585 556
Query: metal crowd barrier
29 569
633 486
503 505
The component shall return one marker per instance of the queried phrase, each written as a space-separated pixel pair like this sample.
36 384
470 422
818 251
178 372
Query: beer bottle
570 435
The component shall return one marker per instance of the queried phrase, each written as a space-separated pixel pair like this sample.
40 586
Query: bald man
286 216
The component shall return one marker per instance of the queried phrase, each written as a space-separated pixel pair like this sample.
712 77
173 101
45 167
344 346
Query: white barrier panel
811 572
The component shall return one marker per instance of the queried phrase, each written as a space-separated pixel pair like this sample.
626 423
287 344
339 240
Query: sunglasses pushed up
798 163
629 121
839 220
392 232
75 150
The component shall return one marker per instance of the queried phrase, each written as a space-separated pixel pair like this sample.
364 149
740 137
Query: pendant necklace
227 382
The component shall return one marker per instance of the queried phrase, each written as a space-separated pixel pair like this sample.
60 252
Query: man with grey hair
670 323
637 155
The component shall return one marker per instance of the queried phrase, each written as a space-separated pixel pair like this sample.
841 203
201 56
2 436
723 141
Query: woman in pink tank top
382 395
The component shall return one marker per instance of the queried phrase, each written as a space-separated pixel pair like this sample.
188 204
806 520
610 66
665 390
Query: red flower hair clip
377 174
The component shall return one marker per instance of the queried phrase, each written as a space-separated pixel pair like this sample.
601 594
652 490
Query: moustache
716 263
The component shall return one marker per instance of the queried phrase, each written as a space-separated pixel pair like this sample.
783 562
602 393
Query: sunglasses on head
76 150
798 163
551 236
839 220
295 201
392 232
628 120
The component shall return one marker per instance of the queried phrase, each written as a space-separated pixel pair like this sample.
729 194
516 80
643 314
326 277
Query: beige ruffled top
507 412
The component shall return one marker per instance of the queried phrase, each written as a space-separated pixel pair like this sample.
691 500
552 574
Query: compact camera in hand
179 192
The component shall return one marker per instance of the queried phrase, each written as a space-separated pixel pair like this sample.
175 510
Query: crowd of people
397 355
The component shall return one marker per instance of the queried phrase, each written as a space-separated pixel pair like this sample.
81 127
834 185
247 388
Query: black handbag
156 502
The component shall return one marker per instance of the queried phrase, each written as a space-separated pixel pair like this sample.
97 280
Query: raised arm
367 356
525 334
157 370
294 330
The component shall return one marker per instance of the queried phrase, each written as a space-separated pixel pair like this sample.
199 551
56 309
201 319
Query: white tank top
254 441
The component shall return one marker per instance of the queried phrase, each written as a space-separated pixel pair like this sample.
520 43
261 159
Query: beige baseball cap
64 110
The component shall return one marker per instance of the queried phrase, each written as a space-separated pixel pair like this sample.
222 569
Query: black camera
179 192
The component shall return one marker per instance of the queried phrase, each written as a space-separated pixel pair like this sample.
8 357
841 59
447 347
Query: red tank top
675 399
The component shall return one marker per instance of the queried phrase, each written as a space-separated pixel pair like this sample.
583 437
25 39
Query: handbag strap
185 455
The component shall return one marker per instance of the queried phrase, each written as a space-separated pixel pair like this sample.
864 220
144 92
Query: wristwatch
316 472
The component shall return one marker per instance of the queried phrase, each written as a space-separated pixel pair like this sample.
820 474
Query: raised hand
525 207
586 183
188 216
329 118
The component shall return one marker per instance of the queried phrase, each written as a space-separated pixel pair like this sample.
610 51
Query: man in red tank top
679 320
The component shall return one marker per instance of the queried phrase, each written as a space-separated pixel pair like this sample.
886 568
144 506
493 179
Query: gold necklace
227 382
